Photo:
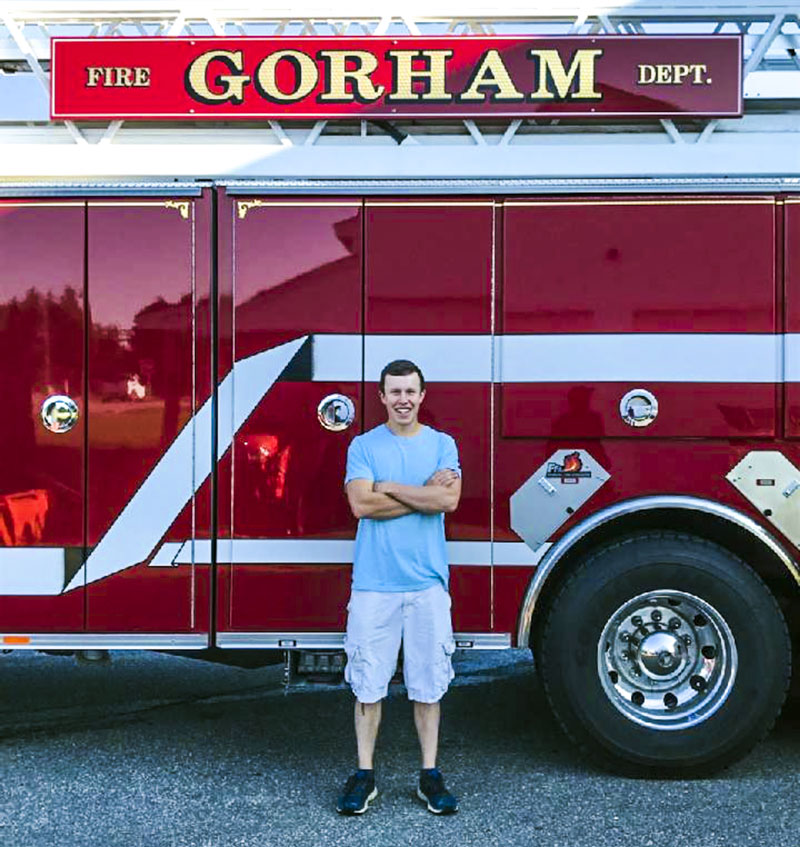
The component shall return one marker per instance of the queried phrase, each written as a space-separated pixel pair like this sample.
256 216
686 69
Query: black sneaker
433 792
358 792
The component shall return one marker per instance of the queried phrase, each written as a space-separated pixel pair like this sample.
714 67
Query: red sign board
382 77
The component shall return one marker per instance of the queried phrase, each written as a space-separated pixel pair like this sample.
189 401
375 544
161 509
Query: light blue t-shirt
406 553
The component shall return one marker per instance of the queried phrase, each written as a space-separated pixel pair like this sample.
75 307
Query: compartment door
609 296
291 336
792 318
429 282
148 449
41 469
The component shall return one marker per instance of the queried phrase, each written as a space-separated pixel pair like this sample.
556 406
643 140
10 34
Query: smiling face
402 398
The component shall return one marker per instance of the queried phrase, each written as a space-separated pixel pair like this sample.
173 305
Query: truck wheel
664 654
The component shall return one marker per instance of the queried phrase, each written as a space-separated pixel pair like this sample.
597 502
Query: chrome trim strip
560 547
482 640
105 641
281 640
722 185
335 640
95 189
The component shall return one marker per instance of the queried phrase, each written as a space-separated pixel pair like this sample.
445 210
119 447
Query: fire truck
194 315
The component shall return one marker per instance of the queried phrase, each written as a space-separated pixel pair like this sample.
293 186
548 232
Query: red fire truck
185 362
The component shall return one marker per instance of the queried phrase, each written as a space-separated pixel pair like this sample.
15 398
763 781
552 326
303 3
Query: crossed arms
383 500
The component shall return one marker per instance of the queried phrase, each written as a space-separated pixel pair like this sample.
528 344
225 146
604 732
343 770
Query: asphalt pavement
159 750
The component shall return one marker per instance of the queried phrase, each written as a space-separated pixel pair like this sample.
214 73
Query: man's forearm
380 506
429 499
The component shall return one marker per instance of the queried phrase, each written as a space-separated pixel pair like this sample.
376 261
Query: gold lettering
663 74
582 66
124 77
306 76
141 77
492 73
92 76
647 74
405 75
680 72
698 70
231 84
117 77
340 78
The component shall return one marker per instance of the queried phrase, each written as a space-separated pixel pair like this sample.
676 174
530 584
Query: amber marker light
16 639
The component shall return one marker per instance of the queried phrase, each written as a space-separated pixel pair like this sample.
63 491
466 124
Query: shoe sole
349 812
432 809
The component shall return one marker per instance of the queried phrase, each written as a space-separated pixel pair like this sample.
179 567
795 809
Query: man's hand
445 477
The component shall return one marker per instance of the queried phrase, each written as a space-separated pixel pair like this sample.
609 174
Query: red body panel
428 270
639 265
791 311
428 266
143 294
42 353
591 410
292 268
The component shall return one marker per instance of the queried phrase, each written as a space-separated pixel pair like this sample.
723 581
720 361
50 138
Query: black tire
708 689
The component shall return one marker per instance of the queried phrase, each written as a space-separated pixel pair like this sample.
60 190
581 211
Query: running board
103 641
335 640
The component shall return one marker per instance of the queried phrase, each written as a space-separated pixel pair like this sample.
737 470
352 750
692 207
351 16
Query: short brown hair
401 367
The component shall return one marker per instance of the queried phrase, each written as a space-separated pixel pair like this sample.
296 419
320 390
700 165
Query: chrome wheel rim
667 660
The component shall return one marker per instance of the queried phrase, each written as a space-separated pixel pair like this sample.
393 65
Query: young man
401 479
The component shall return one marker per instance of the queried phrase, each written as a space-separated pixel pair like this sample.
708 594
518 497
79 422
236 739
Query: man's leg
428 646
374 628
426 718
368 719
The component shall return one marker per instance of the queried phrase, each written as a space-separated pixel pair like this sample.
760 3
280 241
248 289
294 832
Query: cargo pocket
354 669
444 666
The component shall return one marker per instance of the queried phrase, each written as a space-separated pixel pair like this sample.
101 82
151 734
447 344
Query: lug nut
636 620
674 623
655 615
687 639
624 635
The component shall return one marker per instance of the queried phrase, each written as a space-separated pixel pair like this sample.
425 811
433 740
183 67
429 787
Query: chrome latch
59 413
336 412
638 407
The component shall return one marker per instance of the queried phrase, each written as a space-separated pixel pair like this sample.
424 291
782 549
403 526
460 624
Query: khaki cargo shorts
377 623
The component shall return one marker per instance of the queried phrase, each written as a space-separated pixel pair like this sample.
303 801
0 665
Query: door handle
59 413
336 412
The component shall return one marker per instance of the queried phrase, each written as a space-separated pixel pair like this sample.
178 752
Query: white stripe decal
261 551
39 571
626 357
791 363
447 358
336 358
31 571
168 487
641 357
577 357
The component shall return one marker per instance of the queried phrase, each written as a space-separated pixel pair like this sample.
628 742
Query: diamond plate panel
556 490
772 484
